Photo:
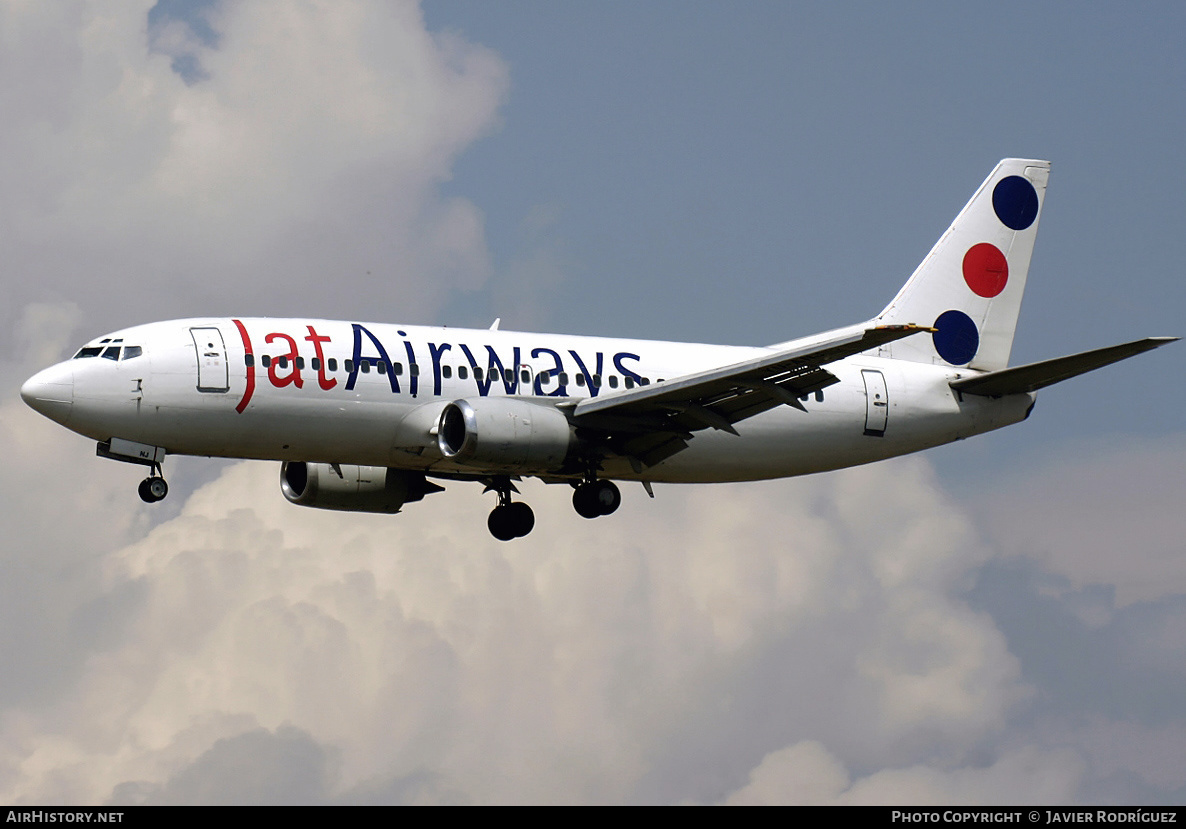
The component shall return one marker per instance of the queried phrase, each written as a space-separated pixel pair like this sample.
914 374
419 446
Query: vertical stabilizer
969 287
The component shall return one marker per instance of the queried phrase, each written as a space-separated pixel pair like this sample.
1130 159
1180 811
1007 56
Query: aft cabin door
876 403
212 365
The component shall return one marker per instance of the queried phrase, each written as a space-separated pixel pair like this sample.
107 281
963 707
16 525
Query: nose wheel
153 488
596 498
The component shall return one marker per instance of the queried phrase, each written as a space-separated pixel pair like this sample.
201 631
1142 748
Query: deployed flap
663 415
1039 375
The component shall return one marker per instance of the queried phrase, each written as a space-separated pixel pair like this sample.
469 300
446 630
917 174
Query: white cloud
1099 515
807 774
301 172
774 641
580 664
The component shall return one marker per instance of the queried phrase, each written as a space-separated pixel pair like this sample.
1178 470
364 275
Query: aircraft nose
51 392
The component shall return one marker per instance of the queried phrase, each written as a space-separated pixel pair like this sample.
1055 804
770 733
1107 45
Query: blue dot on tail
956 339
1015 202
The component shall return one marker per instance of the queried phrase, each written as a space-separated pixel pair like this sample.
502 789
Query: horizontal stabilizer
1035 376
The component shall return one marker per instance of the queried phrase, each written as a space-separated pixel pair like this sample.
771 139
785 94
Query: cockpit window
110 352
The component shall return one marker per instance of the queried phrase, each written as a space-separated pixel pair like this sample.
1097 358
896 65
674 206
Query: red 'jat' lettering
326 383
288 360
250 388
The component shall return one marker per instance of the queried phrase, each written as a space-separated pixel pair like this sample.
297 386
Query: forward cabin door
212 364
876 403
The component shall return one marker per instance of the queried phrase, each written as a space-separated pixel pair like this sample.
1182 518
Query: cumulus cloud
807 774
798 641
300 170
656 655
1062 515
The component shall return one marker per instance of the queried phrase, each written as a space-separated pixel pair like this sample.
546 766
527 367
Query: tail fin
969 287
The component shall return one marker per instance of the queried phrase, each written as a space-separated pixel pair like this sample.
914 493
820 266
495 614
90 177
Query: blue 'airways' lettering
434 352
594 388
555 371
625 372
484 382
413 374
358 358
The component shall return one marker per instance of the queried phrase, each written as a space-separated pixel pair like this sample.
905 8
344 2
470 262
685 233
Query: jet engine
503 433
352 488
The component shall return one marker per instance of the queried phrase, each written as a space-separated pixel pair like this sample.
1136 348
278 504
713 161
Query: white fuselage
372 394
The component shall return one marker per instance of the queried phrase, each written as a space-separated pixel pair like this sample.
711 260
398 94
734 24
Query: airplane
370 417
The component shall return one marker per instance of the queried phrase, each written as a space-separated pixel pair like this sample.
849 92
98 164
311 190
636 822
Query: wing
650 423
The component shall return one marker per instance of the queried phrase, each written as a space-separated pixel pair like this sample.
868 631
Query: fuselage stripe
250 389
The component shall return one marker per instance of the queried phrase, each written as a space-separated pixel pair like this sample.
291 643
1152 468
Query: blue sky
747 174
1001 620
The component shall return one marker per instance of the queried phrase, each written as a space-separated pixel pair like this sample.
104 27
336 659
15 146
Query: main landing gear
509 519
514 519
594 498
153 488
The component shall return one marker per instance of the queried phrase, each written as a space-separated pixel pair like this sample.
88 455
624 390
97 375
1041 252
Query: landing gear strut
153 488
509 519
596 498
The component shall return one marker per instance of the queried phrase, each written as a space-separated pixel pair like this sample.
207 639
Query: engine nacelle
504 433
356 489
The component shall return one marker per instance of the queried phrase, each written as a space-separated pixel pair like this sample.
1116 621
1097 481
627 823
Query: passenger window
477 373
300 362
525 376
349 366
365 366
333 364
462 372
564 378
446 372
596 381
265 361
414 369
819 396
282 362
581 380
613 381
381 366
248 359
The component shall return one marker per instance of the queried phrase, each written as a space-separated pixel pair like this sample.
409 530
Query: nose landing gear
153 488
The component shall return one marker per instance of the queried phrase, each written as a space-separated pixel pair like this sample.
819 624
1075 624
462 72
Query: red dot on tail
985 269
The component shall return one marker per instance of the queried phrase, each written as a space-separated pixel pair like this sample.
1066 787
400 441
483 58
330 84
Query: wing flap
1034 376
652 423
797 371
